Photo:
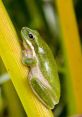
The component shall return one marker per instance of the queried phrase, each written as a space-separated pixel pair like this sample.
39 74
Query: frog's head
30 37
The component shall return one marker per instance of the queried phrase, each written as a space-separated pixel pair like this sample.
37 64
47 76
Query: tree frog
43 75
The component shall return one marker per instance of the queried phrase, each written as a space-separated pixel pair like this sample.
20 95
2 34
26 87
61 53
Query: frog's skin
43 76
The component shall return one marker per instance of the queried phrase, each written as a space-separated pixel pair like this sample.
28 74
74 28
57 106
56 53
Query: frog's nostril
23 29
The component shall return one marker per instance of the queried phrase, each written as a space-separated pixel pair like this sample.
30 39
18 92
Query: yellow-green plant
73 57
10 52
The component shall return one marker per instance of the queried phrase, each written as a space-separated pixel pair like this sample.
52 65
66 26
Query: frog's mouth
29 48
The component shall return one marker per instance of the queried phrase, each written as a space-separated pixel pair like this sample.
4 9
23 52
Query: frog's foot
29 61
43 93
27 58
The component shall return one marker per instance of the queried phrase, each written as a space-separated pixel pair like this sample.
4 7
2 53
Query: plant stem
10 52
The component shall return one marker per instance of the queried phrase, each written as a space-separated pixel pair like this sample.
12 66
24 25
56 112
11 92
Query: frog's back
48 68
45 81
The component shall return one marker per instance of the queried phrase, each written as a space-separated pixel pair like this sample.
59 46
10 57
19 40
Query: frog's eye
31 35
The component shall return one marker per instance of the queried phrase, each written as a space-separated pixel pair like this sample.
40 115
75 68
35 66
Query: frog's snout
24 32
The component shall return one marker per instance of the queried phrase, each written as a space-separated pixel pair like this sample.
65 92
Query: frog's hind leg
42 92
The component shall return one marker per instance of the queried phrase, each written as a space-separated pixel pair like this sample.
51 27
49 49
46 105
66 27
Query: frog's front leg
27 58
